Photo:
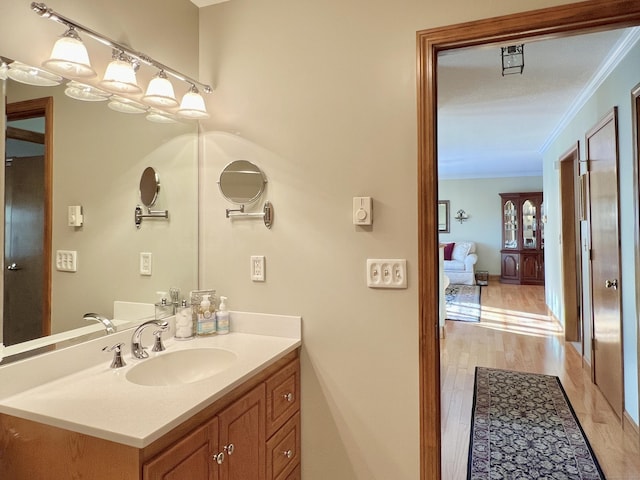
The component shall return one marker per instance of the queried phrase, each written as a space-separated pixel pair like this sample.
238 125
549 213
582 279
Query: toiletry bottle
185 327
222 317
206 317
163 309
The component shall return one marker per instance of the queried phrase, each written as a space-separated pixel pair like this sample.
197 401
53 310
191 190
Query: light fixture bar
45 12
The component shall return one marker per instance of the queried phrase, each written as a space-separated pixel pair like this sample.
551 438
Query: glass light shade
192 106
86 93
4 69
32 75
160 93
160 117
120 77
69 57
125 105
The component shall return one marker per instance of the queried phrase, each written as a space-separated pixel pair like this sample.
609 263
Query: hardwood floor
515 333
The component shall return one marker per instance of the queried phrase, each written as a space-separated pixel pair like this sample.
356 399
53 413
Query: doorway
562 20
27 230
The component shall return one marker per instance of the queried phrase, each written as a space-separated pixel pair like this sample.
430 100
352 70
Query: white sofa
460 269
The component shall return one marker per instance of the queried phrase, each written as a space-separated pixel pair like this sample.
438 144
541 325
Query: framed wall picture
443 216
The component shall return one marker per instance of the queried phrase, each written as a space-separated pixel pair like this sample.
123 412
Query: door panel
602 154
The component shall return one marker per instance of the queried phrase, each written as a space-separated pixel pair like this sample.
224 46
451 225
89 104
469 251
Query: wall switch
386 273
75 218
66 260
362 211
257 268
145 263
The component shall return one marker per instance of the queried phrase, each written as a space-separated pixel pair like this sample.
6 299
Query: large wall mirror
96 160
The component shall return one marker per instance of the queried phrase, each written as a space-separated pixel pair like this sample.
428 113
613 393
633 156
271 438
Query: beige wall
100 154
323 97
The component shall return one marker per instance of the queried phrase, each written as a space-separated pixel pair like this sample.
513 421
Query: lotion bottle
222 317
206 317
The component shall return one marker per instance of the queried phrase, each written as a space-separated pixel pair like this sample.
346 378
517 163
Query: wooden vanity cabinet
260 418
256 437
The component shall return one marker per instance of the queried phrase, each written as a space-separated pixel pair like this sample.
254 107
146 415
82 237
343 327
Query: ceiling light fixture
120 74
69 56
512 59
192 105
160 92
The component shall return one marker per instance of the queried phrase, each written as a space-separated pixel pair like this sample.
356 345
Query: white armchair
460 268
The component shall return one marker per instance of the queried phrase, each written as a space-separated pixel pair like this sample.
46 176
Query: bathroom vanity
242 422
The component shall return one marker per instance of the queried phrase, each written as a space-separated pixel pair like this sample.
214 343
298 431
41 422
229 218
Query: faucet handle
157 344
117 361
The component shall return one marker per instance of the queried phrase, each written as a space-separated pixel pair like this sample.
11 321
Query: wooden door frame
42 107
635 121
551 22
571 251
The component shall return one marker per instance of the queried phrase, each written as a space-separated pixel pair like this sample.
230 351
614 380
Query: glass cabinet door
510 225
529 225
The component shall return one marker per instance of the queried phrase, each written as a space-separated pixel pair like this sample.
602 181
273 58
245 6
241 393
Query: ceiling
495 126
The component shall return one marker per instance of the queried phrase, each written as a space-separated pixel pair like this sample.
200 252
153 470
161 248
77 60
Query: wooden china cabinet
522 253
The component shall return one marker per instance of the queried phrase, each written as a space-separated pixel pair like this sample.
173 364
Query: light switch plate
75 218
386 273
66 260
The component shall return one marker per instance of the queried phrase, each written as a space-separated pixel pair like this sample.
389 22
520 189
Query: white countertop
101 402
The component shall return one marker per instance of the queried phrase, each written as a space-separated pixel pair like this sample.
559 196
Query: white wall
323 97
616 90
480 199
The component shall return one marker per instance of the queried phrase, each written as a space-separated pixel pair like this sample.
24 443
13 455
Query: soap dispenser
222 317
206 317
163 309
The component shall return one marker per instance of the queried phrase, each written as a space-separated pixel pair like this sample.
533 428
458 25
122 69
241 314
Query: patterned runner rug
523 427
463 302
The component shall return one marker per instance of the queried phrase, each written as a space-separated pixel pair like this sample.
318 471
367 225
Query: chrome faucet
108 324
137 350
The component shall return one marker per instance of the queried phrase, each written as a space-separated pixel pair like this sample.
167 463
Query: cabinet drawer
283 396
283 450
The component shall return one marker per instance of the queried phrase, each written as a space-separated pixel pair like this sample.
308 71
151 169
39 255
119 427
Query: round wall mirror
149 187
242 182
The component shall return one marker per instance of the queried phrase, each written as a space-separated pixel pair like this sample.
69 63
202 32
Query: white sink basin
181 367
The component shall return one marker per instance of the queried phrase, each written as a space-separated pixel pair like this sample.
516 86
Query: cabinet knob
611 284
229 449
288 397
288 453
219 458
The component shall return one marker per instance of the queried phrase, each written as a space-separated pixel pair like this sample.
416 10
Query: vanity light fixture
192 105
126 105
4 69
86 93
160 92
69 56
32 75
120 75
160 117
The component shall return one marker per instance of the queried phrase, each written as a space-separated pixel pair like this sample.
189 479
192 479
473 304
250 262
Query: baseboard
629 425
553 317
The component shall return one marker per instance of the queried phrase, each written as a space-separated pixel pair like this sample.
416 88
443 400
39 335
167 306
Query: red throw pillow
448 250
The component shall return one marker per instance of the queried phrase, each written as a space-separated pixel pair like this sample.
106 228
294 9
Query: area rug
523 427
463 302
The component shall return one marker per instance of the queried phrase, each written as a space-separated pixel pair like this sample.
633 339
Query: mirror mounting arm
266 214
150 214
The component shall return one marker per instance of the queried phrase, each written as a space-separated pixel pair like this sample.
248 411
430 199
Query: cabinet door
191 457
510 267
242 437
532 268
